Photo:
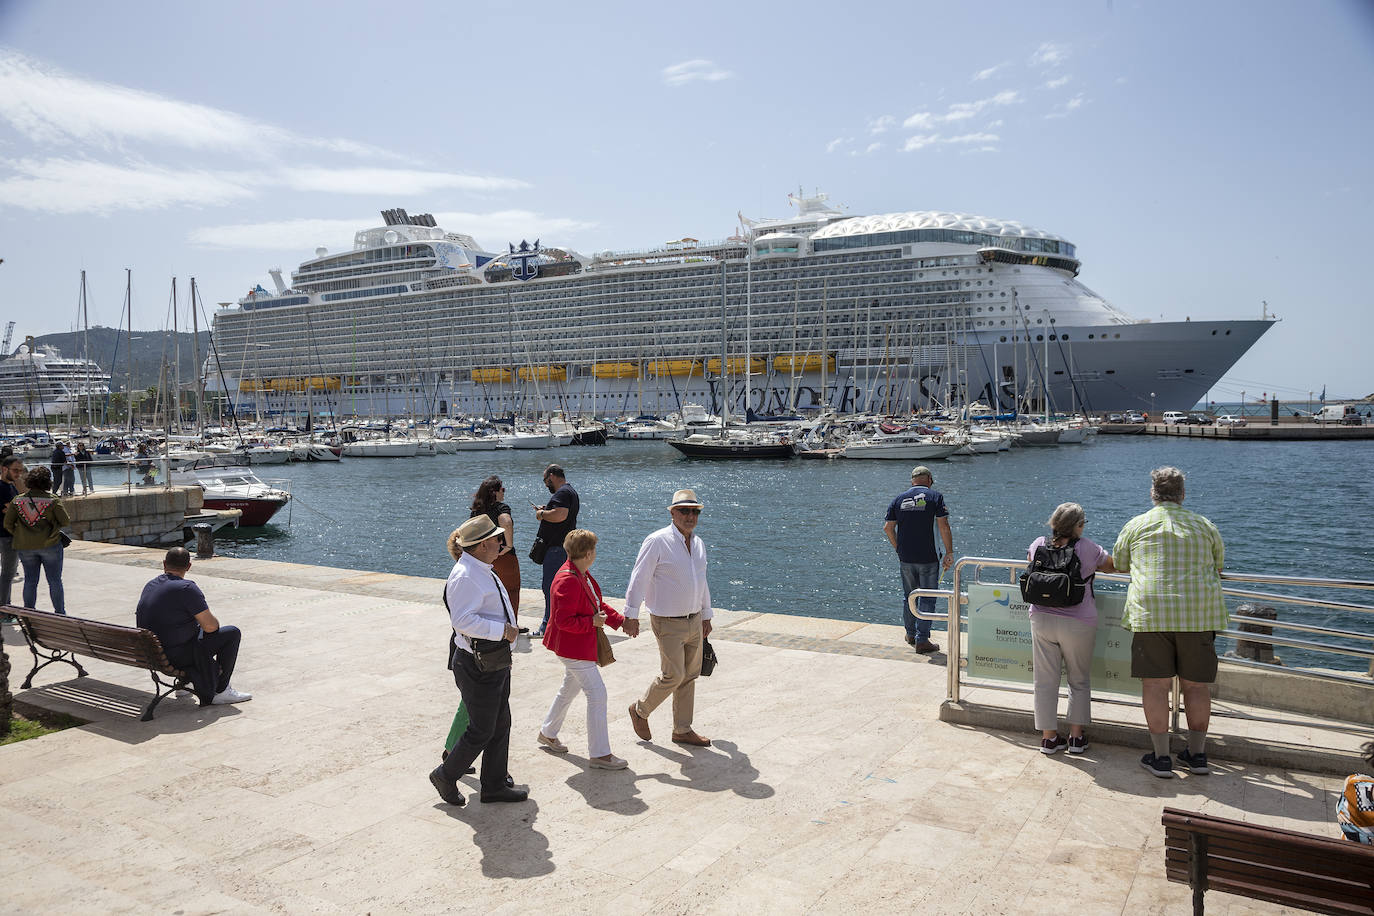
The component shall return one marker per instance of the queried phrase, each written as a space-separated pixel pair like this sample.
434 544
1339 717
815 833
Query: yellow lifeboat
323 383
661 367
616 370
809 362
287 384
737 365
490 374
247 385
544 373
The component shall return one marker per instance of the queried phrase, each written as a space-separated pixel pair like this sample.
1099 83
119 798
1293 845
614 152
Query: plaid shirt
1173 556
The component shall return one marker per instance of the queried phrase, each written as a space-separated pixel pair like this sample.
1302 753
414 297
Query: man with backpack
1174 607
910 528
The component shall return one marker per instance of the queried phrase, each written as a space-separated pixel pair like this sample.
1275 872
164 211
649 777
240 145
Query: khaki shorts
1190 655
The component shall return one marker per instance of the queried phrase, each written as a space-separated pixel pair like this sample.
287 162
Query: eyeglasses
688 511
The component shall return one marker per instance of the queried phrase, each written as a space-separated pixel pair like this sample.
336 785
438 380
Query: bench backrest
109 642
1320 874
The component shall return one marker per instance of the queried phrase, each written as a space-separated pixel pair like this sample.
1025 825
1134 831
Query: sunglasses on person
688 511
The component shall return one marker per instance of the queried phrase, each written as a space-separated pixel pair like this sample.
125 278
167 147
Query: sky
1205 158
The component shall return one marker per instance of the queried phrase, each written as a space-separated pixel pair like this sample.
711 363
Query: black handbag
708 657
538 549
491 655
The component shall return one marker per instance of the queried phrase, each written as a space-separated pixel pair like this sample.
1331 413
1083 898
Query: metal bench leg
40 661
158 694
1197 869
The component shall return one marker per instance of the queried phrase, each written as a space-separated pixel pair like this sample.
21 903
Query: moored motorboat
236 488
700 445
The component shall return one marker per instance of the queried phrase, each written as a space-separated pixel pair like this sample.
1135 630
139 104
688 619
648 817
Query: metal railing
957 599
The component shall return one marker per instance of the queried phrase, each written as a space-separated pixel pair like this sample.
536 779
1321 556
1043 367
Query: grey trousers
1056 640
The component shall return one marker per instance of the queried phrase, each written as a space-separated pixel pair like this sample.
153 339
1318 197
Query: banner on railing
999 639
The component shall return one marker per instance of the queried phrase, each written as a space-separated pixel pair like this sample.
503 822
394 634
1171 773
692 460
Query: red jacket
570 633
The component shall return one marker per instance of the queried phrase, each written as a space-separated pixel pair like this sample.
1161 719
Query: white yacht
819 309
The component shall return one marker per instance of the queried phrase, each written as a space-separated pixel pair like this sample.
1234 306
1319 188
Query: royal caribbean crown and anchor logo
525 260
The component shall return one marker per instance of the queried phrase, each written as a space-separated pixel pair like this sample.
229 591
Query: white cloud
1064 110
50 107
961 111
491 230
390 181
1049 54
693 70
82 186
920 121
1058 83
836 144
882 124
989 73
921 141
872 148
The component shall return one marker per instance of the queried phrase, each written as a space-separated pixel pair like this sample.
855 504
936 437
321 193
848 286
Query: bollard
1259 651
205 540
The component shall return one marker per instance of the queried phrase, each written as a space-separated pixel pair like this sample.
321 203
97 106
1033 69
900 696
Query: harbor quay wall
139 516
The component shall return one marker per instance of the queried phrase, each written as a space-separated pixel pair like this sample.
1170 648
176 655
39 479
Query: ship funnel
275 274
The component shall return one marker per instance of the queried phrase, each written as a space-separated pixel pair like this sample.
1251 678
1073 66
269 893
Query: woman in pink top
1065 635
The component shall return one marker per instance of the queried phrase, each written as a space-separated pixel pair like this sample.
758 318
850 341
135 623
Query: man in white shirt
669 579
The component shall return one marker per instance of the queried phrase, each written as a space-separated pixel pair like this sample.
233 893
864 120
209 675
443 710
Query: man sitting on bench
175 609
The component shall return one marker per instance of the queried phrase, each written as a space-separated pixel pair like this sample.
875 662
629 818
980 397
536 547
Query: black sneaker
1195 763
1053 745
1162 767
448 791
1078 743
910 640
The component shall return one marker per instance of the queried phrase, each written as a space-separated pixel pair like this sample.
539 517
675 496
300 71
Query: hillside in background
109 348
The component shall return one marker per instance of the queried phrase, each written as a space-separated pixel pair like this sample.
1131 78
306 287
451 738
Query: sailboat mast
825 347
724 375
86 347
129 382
176 362
195 355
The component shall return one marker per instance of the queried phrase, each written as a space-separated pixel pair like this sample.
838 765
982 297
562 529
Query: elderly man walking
910 528
669 578
1174 607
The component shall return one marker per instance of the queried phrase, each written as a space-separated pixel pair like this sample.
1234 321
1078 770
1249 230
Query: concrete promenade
832 786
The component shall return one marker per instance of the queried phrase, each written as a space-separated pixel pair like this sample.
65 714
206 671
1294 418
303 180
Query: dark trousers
209 660
553 562
487 698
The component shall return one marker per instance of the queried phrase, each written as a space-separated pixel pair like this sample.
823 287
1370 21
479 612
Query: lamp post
1152 407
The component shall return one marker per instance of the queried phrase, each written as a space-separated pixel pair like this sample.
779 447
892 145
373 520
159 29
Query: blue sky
1203 157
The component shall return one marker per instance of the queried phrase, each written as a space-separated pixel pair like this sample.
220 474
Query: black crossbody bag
490 655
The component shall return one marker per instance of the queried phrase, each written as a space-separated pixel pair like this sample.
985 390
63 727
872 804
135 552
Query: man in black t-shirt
175 609
556 519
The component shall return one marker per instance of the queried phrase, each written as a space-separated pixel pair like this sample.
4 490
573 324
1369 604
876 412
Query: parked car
1116 418
1172 417
1198 419
1134 417
1230 419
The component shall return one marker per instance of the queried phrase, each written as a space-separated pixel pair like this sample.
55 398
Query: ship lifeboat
490 374
660 367
810 362
616 370
544 373
248 384
287 384
738 365
323 383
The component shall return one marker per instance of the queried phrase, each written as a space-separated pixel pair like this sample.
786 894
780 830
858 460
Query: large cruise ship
889 313
39 381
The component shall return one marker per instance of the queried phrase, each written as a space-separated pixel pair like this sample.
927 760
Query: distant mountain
110 350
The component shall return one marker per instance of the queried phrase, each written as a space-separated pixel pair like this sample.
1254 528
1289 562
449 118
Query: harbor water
805 537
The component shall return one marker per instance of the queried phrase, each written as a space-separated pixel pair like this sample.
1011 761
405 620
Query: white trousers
1062 641
582 677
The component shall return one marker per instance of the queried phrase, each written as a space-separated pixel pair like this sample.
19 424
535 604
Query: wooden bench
1319 874
62 638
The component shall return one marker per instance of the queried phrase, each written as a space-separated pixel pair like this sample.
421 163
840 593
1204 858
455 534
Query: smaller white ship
40 381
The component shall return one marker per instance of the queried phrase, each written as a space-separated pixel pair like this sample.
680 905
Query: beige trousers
679 652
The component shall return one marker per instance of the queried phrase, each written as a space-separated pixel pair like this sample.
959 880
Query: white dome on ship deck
931 219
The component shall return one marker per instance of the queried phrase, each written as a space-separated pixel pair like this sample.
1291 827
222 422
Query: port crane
5 347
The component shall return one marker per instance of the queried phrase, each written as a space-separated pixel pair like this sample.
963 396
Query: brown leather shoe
925 647
641 724
691 738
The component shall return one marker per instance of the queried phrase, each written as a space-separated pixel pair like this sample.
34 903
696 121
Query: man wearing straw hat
669 578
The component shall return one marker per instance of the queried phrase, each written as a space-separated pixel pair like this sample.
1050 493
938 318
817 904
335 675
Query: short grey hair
1065 519
1166 485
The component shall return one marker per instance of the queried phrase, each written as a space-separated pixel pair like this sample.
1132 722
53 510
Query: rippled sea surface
805 537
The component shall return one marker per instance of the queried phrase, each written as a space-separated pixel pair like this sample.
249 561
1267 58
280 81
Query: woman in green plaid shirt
1174 607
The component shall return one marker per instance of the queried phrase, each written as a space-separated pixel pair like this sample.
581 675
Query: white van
1175 416
1338 413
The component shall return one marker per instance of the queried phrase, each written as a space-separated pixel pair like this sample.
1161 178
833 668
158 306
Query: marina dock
1258 431
833 784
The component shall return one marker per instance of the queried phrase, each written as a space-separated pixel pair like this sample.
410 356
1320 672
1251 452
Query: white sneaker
230 695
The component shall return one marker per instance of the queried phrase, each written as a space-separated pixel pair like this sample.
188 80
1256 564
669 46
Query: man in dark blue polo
175 609
911 521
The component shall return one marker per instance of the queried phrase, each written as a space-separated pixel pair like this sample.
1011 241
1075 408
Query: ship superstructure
818 309
38 381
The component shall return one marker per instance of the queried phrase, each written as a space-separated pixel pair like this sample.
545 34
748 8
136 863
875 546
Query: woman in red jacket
575 612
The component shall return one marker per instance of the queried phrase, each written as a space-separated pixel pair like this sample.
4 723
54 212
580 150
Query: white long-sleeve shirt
668 579
476 603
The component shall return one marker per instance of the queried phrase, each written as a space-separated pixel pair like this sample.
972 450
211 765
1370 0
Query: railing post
954 636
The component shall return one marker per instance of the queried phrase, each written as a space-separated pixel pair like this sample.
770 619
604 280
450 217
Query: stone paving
832 785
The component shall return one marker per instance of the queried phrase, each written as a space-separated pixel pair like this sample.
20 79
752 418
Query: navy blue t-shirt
168 607
7 493
554 532
915 512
